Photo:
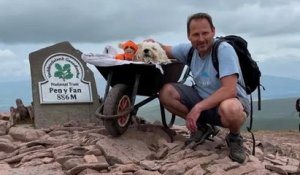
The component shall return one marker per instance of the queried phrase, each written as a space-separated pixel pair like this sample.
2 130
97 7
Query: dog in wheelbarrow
151 53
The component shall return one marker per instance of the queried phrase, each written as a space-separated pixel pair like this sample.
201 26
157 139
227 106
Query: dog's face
151 52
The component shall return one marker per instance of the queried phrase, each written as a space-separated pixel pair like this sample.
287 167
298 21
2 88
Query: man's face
201 35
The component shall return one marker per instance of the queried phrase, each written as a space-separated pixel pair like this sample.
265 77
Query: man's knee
232 111
231 107
166 88
168 92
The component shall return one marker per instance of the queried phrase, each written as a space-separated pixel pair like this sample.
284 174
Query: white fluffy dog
151 52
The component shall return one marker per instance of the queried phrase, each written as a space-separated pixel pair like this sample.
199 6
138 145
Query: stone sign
63 74
63 87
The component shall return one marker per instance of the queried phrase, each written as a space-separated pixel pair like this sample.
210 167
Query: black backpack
298 108
249 68
298 104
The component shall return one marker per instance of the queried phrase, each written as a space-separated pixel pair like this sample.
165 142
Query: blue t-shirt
203 71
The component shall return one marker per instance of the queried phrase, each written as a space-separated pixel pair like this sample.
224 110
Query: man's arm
168 50
226 91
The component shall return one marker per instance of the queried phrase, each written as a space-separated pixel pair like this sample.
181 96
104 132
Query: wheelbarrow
124 83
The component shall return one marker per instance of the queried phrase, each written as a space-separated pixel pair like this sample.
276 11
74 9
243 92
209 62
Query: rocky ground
87 149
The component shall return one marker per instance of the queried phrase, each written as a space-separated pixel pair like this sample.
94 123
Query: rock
79 168
7 146
89 171
21 114
162 152
224 166
35 155
145 172
149 165
90 158
177 169
22 110
4 127
196 170
127 168
75 149
25 134
4 166
44 169
5 116
73 162
277 169
245 168
124 149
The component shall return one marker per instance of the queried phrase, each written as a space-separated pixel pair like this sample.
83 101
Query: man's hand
191 119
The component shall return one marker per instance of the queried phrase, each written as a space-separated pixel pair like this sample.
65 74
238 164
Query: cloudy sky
271 27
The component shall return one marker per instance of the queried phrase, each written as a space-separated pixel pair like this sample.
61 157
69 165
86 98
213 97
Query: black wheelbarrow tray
124 83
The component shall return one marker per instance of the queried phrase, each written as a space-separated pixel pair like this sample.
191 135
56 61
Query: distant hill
277 87
278 105
275 114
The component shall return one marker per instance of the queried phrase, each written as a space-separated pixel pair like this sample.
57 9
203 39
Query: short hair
199 16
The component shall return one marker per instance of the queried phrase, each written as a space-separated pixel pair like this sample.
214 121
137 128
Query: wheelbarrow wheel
117 101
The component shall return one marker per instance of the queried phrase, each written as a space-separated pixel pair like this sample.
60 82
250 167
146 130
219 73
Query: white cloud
103 21
12 67
271 27
259 20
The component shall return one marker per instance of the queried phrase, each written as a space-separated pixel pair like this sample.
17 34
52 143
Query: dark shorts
189 97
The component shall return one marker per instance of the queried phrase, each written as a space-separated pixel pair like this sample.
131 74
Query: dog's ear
163 58
139 48
138 55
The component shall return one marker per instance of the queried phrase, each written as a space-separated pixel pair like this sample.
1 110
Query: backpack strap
190 56
259 96
214 55
189 60
298 104
249 128
215 62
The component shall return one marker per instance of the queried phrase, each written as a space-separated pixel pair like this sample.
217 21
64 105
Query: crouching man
214 100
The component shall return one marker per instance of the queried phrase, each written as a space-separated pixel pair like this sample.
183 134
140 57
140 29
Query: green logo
63 72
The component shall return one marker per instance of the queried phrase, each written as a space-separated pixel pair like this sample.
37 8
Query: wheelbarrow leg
108 83
166 127
99 110
135 88
163 117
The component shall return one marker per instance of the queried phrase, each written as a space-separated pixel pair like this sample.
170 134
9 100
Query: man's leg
232 117
170 99
179 99
232 114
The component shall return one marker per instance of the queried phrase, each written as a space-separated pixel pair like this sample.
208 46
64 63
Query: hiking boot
214 133
235 144
199 136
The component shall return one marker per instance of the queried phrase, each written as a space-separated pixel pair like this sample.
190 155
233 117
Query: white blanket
108 59
105 60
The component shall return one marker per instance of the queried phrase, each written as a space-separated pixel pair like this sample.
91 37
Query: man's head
201 32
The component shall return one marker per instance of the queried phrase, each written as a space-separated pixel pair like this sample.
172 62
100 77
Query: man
215 100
